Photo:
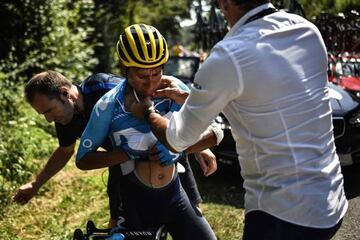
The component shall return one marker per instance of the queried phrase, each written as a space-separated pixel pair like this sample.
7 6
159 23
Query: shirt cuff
219 133
172 138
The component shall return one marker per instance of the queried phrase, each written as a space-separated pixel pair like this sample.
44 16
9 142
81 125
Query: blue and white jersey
110 119
91 89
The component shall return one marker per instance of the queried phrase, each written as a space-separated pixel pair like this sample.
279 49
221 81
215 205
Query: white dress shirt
269 79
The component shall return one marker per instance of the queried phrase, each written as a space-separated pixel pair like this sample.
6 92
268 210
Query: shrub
48 35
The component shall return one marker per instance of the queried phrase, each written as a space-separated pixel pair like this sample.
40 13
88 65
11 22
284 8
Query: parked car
346 119
344 70
183 68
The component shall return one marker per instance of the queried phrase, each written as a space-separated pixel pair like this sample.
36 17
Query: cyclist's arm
99 159
95 133
56 162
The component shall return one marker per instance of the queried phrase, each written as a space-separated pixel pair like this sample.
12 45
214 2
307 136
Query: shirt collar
249 14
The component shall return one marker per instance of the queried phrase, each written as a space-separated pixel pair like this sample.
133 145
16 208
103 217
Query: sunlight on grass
225 220
63 205
73 197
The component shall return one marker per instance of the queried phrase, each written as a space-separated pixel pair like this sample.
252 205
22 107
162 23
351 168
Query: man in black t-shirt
70 106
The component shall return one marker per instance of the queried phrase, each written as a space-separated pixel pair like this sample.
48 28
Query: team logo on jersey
87 143
102 105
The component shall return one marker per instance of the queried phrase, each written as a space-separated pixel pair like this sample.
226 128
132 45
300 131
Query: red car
345 71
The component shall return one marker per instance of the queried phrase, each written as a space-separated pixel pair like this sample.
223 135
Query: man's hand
207 161
168 81
170 89
25 193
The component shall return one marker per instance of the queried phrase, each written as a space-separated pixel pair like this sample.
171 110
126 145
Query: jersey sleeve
217 82
98 126
96 86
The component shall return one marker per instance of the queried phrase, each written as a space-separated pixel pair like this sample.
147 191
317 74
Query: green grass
223 202
73 197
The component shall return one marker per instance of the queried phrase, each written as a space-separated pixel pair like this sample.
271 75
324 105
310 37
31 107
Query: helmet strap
134 92
136 96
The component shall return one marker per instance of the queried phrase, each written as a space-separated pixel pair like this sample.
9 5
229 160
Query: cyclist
153 194
69 106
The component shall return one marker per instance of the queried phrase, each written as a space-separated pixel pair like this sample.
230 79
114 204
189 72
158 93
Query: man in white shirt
269 78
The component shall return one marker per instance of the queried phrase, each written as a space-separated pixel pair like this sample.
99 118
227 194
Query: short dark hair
247 5
47 83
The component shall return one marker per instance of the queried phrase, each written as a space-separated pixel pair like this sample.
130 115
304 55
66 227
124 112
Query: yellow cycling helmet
142 46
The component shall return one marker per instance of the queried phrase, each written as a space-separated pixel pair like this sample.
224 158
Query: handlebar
119 233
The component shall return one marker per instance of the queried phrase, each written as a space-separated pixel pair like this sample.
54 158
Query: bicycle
119 233
210 26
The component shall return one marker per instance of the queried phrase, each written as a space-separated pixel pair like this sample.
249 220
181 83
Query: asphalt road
227 180
350 229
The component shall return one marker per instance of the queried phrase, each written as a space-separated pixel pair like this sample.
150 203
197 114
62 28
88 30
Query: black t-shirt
92 89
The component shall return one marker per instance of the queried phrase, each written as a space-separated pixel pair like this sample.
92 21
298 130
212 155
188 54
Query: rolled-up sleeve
217 82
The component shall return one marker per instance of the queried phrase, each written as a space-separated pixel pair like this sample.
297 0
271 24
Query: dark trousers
262 226
188 182
146 208
115 186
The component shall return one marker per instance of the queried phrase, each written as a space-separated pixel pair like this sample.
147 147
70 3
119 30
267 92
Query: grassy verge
73 197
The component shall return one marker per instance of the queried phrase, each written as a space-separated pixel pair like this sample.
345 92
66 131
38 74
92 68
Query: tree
314 8
44 34
113 16
36 35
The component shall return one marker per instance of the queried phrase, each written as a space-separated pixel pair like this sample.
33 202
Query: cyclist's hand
164 155
25 193
207 161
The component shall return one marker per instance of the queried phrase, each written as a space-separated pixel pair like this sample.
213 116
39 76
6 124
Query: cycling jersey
92 89
110 119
